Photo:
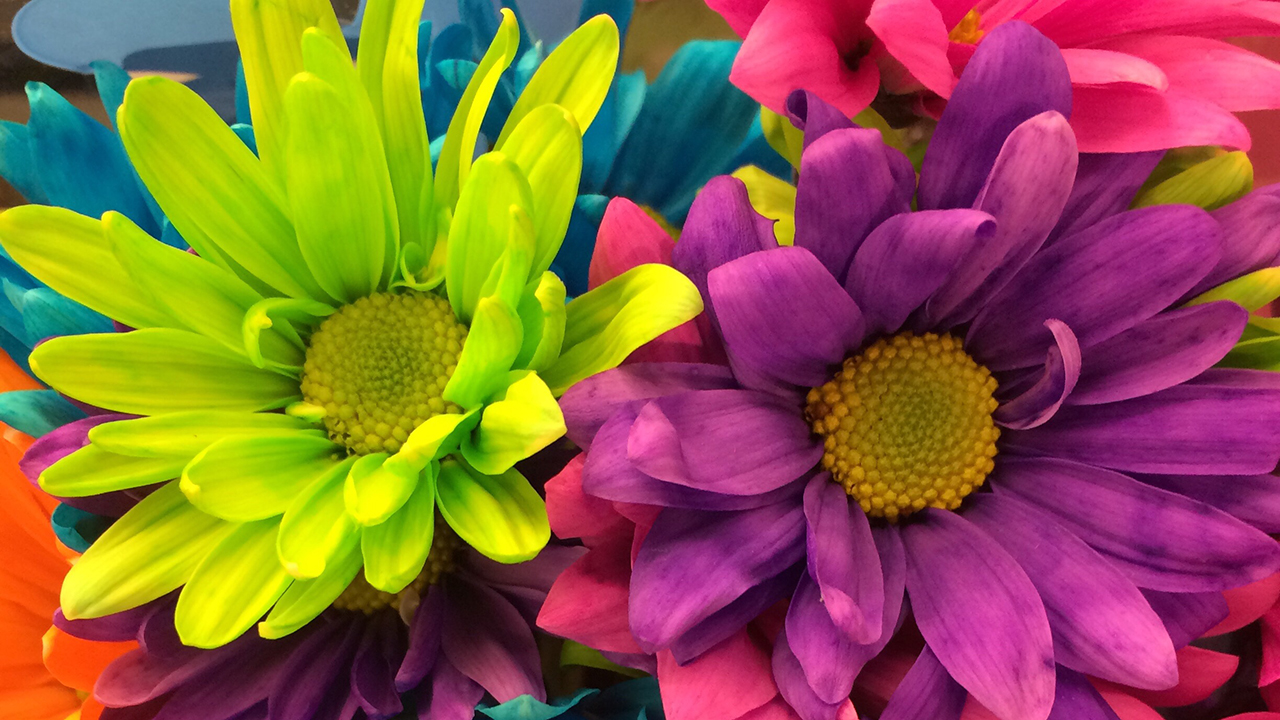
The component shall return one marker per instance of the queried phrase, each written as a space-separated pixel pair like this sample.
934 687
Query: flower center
379 366
967 31
360 596
906 424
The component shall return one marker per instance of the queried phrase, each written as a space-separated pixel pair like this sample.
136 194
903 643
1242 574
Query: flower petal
730 680
185 434
499 515
1132 118
1187 616
306 599
927 692
588 601
396 550
843 563
93 471
1254 499
824 650
488 640
316 524
1105 185
253 478
914 34
1037 404
514 426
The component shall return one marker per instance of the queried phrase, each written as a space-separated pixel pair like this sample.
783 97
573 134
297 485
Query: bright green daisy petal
416 269
375 488
146 554
395 551
306 599
1262 353
524 420
155 371
773 198
1252 292
786 139
1209 184
280 315
253 478
92 470
547 147
542 315
576 75
605 325
235 585
436 437
67 252
212 187
185 434
316 524
492 346
501 516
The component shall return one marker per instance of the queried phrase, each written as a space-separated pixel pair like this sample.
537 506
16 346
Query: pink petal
995 12
728 681
573 513
1082 22
1132 118
1106 67
775 709
1270 671
588 602
1211 70
914 33
1247 604
740 14
1200 673
1127 706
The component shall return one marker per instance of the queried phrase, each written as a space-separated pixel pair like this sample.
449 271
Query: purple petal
735 616
693 563
1254 499
1025 193
591 402
927 692
490 642
235 687
908 257
424 640
1187 616
315 681
815 116
1161 540
1251 237
734 442
794 686
373 670
824 651
1101 282
1187 429
847 187
451 695
117 627
980 614
1155 354
1101 623
1040 402
1015 74
1105 184
61 442
783 317
843 561
1077 699
139 676
537 574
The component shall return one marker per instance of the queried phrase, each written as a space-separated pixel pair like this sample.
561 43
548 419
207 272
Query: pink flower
1146 75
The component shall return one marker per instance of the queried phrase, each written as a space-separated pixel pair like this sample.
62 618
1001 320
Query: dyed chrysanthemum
990 406
404 320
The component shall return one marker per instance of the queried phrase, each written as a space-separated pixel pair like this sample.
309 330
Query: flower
631 700
1144 76
404 319
1000 406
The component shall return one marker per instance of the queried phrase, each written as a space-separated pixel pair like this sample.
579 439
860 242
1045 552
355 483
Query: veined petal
542 315
184 434
306 599
1251 291
1209 185
149 552
547 147
606 324
375 488
436 437
235 585
493 343
154 371
499 515
771 196
253 478
523 421
93 471
395 551
316 525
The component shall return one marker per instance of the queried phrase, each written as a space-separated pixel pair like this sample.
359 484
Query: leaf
501 516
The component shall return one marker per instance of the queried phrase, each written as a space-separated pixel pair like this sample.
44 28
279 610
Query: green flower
405 323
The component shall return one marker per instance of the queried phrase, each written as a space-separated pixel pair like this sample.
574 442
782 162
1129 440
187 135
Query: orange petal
77 663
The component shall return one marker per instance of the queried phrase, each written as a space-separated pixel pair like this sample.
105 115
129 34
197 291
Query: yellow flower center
906 424
378 367
360 596
967 30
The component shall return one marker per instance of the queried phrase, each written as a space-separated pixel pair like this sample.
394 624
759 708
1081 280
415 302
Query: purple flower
998 408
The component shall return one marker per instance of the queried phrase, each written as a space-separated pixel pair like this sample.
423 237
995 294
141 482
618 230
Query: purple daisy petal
373 669
825 652
117 627
1040 402
794 686
1101 623
1254 499
315 681
927 692
693 563
488 640
907 258
735 616
783 317
424 640
238 686
61 442
1105 185
843 562
1161 540
834 213
815 116
1015 74
450 696
980 614
1101 282
1155 354
1075 698
1251 237
1187 616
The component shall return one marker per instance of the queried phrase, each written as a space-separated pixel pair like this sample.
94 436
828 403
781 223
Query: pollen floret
907 424
360 596
379 366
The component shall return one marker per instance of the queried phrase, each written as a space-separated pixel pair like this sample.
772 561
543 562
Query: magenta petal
1133 118
1254 499
1187 616
980 615
843 561
823 650
1015 74
1161 540
373 669
450 696
1101 282
794 686
914 33
1075 698
1250 237
424 640
730 680
1101 623
486 638
1092 66
693 563
927 692
783 317
1105 185
1037 404
733 617
1082 21
908 257
1166 350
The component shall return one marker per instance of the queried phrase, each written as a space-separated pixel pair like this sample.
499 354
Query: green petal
576 75
202 296
267 313
786 139
155 371
1257 354
185 434
526 419
268 33
488 222
212 187
92 470
493 342
376 488
396 550
542 315
146 554
68 252
306 599
253 478
436 437
316 524
416 270
338 186
1209 184
501 516
547 147
235 585
460 139
773 198
605 325
1252 292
